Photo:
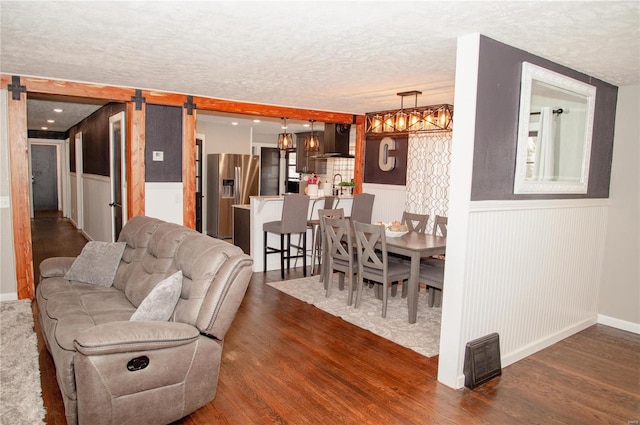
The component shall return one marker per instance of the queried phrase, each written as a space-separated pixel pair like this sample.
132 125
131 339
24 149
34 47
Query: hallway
53 236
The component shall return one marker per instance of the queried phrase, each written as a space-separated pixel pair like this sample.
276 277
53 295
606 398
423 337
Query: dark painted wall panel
497 113
164 133
372 171
95 140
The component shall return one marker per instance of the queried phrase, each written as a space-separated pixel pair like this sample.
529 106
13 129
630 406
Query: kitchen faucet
335 190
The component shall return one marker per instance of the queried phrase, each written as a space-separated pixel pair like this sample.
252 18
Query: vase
312 190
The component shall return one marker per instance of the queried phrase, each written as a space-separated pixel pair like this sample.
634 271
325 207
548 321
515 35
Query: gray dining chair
293 221
362 207
341 255
323 213
433 274
415 222
313 223
373 261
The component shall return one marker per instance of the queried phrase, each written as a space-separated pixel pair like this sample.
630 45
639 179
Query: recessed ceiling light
256 121
44 128
305 125
234 123
58 110
51 121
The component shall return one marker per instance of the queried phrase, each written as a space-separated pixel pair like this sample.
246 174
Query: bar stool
294 220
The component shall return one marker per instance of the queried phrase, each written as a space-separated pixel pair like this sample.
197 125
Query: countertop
281 197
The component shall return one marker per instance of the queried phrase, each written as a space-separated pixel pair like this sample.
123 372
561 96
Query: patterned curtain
428 170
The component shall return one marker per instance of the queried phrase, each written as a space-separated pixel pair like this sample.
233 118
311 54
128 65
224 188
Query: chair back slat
440 223
367 236
339 238
415 222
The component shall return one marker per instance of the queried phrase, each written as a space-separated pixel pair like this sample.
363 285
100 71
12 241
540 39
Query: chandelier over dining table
432 118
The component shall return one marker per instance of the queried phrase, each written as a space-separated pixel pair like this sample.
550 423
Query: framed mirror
554 132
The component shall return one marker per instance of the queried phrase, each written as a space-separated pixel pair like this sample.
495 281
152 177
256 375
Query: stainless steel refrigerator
231 179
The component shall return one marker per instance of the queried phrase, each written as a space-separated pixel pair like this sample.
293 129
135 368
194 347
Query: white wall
529 270
8 283
164 201
97 212
619 301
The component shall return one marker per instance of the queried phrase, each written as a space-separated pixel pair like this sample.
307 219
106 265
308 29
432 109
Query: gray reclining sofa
114 371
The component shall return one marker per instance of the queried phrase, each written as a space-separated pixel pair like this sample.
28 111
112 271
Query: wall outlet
158 155
4 202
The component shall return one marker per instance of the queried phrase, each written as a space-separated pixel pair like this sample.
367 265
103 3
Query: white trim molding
619 324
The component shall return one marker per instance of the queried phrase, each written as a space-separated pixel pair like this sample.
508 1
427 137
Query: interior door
44 177
118 173
199 185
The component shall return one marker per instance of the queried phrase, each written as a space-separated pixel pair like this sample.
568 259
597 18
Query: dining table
416 246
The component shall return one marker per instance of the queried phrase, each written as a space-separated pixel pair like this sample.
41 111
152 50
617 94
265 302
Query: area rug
20 388
422 337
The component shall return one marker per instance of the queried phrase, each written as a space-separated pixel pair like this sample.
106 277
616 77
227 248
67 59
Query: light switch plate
158 155
4 202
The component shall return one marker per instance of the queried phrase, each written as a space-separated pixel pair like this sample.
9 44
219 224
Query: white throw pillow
161 301
97 263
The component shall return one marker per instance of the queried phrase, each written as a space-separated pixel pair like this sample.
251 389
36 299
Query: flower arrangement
312 180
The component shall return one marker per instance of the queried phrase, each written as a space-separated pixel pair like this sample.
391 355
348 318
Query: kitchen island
264 209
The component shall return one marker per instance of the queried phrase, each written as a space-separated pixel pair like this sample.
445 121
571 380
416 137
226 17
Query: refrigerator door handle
237 186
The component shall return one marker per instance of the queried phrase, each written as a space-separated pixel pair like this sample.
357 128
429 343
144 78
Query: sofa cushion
161 301
97 263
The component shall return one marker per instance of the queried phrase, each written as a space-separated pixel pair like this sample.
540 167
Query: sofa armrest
127 337
55 266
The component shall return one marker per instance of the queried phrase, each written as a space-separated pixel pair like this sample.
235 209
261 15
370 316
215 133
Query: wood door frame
135 124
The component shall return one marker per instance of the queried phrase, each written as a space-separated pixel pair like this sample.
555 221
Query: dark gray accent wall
95 140
163 133
496 133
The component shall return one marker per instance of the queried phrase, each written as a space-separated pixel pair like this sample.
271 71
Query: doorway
44 177
117 149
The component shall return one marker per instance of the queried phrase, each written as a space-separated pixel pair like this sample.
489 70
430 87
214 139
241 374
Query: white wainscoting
164 201
96 209
532 272
389 202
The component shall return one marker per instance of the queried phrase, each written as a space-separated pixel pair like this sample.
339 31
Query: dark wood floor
287 362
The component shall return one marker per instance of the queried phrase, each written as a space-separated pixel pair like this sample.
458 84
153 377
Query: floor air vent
482 360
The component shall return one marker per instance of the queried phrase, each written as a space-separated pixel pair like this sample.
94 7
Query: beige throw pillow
161 301
97 263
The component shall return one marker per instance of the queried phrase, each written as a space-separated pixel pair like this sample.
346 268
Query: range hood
336 142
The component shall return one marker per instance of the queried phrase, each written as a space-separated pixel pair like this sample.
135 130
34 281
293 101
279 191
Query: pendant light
312 144
285 140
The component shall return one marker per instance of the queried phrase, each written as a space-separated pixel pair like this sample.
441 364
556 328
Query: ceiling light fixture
312 144
285 140
51 121
432 118
58 110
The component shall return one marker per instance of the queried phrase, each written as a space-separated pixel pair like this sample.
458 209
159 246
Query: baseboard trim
619 324
9 296
541 344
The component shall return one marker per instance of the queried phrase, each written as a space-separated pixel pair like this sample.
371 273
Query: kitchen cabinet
306 164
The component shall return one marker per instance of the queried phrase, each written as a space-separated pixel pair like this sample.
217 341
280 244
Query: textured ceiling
339 56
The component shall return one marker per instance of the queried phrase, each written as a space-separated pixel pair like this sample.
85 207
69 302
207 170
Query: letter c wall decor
386 162
385 159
